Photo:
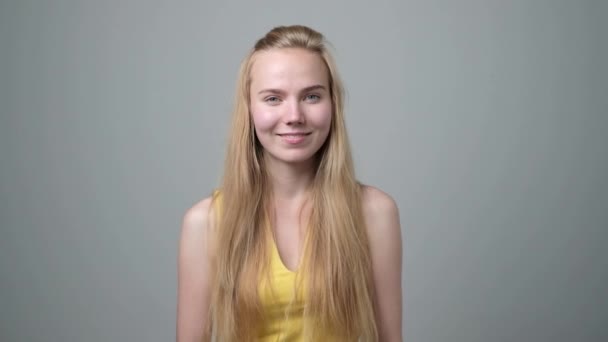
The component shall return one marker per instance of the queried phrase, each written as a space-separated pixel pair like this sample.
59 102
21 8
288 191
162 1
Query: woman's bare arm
194 291
384 231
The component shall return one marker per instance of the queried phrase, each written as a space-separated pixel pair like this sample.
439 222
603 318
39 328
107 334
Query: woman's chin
293 158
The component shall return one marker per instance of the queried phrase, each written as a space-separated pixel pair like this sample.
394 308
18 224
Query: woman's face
290 105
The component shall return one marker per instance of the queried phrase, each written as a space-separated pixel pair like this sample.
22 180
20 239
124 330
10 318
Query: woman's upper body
290 203
196 251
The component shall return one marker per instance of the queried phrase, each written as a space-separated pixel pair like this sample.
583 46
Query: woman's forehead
287 67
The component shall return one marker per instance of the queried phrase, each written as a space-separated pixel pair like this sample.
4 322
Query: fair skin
291 110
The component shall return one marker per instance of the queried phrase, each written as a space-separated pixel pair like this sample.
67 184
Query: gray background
486 121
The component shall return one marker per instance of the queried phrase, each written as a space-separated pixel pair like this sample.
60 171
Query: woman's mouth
294 138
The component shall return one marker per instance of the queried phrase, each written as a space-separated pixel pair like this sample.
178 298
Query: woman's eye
272 99
312 97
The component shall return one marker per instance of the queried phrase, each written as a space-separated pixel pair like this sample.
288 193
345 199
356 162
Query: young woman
291 247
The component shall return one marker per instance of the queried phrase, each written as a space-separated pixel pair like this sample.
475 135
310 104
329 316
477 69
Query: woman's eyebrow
313 87
304 90
272 91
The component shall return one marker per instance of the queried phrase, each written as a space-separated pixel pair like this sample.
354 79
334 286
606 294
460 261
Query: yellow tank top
283 311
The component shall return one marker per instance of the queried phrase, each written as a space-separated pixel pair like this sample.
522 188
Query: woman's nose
295 114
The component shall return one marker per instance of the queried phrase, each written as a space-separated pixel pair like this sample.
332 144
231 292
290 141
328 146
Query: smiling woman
291 247
290 104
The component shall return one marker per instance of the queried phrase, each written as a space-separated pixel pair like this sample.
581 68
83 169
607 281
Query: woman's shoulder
201 212
377 202
381 214
199 219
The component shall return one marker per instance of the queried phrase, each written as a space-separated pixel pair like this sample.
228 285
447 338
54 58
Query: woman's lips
294 138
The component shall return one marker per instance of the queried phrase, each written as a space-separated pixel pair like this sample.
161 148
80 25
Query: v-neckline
275 250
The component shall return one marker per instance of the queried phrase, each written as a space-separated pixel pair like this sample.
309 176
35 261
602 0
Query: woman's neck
290 181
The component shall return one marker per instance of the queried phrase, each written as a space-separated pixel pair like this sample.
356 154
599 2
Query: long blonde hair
336 260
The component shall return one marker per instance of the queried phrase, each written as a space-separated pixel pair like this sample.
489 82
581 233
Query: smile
294 138
293 134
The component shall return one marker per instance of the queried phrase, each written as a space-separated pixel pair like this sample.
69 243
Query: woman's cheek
323 116
263 119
